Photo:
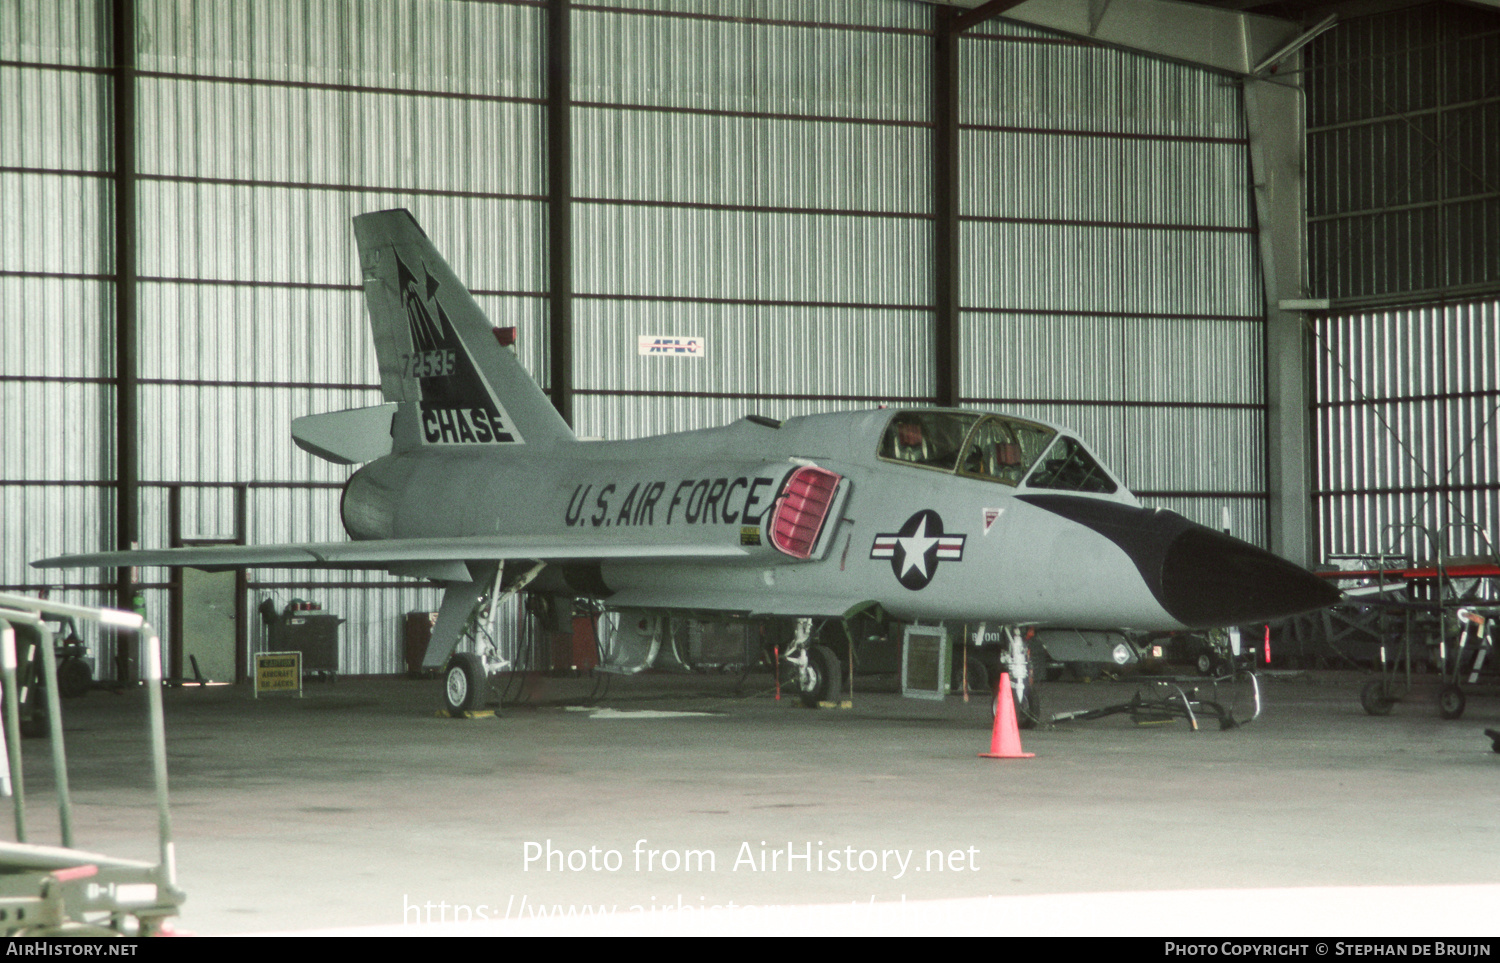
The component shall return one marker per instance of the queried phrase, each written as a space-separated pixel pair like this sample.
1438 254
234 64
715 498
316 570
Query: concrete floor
357 806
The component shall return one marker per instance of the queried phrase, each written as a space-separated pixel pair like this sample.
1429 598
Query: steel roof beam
1225 41
985 11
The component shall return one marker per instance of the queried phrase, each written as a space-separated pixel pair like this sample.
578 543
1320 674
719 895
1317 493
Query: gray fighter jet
474 480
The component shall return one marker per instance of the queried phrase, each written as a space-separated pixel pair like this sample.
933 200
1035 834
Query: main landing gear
816 669
466 677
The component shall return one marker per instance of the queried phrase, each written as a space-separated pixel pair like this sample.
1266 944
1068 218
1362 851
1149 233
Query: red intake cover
802 509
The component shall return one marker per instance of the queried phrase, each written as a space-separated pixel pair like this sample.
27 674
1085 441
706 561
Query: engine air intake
802 509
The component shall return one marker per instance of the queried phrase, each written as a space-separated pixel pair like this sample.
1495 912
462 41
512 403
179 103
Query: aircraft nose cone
1209 579
1202 578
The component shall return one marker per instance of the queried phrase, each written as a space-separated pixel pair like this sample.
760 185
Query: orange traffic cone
1005 740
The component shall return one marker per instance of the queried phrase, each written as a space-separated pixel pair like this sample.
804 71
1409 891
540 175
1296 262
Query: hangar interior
1252 256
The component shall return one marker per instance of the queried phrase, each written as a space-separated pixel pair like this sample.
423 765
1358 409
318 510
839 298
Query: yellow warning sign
278 672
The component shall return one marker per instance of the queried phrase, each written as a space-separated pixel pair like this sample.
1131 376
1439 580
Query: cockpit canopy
995 448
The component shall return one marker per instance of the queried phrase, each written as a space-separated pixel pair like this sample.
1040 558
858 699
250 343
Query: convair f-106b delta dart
474 480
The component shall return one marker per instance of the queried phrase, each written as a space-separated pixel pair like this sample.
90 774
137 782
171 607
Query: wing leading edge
385 553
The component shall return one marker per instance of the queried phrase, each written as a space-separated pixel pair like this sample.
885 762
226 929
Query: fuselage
936 515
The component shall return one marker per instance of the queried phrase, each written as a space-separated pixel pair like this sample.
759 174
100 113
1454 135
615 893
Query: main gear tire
465 684
822 680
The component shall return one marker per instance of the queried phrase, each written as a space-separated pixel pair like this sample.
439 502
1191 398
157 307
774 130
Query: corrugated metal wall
1408 419
263 128
1403 162
1404 231
763 185
56 288
1109 276
753 173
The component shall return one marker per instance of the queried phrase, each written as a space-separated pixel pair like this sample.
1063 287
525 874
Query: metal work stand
1379 696
60 890
1396 681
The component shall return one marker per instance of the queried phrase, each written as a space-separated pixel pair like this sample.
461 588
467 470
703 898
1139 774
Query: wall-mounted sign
670 346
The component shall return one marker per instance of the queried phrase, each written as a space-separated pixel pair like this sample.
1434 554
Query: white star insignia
915 546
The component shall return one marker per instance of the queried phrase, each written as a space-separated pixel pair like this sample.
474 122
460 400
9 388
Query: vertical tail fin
439 357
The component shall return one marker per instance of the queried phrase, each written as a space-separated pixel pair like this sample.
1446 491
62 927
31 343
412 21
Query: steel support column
945 239
127 452
1275 120
560 207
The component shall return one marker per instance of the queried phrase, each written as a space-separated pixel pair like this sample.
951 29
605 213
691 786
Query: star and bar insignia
917 548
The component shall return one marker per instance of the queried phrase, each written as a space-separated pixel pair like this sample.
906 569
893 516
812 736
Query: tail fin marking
437 352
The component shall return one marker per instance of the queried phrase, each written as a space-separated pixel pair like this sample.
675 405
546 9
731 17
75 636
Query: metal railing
48 890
